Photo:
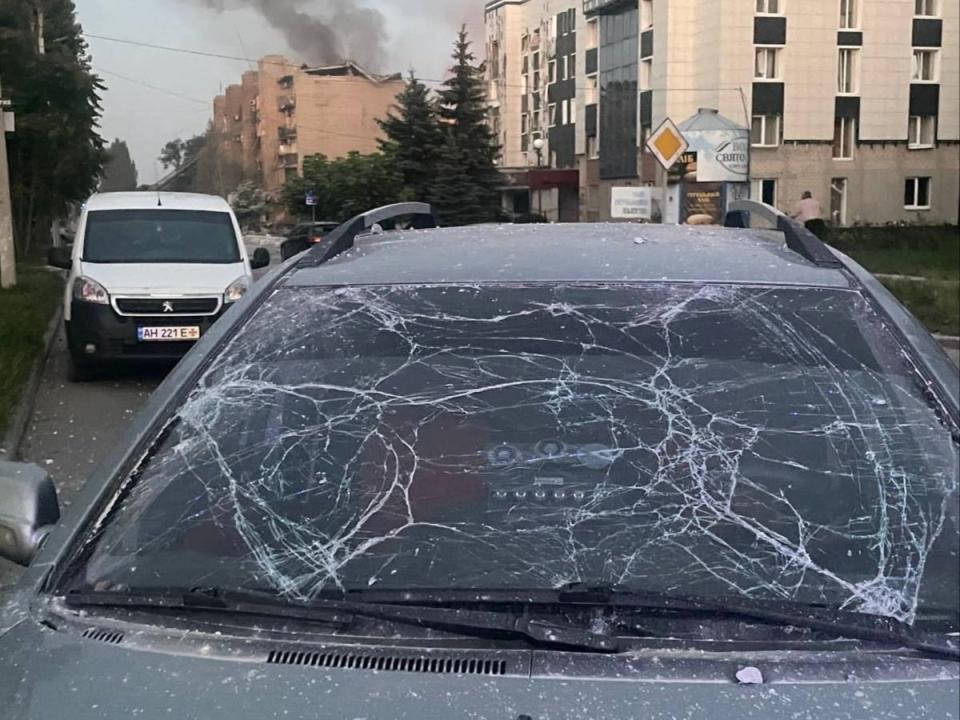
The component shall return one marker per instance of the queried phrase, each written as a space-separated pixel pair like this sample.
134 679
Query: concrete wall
875 180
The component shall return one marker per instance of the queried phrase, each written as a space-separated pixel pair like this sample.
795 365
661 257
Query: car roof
149 201
569 252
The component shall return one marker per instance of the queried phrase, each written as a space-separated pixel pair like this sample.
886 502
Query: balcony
286 103
289 149
289 160
286 135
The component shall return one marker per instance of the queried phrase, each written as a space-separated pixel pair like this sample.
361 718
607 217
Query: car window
160 236
771 443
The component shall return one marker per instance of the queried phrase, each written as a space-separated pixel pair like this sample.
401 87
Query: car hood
54 675
163 278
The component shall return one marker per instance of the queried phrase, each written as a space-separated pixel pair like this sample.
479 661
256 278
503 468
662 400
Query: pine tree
56 154
119 171
463 112
413 138
456 197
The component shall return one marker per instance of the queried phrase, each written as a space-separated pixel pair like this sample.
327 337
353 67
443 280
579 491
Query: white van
149 274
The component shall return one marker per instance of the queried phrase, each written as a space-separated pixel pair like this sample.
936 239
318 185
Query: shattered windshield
708 440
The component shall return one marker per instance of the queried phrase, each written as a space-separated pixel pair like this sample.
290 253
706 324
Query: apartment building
857 101
282 113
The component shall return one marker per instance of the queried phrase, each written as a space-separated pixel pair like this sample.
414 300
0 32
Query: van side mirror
60 257
29 509
260 259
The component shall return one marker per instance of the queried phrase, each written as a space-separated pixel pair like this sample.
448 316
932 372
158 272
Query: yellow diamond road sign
667 144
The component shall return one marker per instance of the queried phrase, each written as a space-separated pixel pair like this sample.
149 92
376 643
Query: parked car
149 275
570 472
305 236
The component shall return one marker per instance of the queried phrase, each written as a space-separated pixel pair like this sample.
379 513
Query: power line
165 91
291 65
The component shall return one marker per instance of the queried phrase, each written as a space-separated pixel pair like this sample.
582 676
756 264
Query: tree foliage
249 204
470 145
56 154
119 170
345 187
413 138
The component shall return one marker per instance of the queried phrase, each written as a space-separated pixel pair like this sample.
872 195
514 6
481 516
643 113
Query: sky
154 95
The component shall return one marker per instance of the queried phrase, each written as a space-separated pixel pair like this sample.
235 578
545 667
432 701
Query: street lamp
538 148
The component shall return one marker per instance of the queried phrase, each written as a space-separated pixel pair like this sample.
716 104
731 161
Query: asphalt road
74 425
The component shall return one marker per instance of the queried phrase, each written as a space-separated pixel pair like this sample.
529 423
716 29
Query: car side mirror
29 510
260 259
60 257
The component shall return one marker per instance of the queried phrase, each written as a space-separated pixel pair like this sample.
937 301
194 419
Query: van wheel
80 369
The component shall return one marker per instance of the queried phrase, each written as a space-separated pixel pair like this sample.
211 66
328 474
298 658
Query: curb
24 410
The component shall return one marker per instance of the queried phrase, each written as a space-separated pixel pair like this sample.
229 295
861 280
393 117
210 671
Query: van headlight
237 289
87 290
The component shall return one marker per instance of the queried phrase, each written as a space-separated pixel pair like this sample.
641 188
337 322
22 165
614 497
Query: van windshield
160 236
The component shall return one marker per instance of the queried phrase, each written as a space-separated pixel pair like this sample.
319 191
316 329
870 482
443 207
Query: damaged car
515 472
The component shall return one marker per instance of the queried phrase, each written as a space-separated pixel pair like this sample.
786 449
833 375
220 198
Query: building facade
857 101
282 113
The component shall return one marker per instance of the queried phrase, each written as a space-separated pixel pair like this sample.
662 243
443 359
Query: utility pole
8 261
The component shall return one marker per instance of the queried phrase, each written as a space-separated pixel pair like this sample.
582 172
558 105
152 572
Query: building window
926 8
524 124
593 149
847 71
552 71
765 131
764 190
553 114
646 74
848 15
921 131
769 7
838 201
844 135
925 66
646 14
593 34
916 193
767 65
591 91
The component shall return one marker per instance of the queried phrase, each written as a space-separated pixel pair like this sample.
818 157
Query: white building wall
950 72
887 58
810 61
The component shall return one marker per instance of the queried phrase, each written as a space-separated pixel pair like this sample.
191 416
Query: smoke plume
339 29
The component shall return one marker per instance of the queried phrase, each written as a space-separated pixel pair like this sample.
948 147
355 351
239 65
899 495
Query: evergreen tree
119 171
456 197
413 138
463 112
56 154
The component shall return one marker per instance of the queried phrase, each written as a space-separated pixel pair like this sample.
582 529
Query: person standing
809 211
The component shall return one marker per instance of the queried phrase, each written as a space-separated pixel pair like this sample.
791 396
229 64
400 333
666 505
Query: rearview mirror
60 257
260 259
29 510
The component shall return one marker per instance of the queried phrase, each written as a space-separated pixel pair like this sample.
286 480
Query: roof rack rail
344 237
799 239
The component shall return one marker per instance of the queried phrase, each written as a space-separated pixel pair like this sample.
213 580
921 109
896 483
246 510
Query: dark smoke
339 31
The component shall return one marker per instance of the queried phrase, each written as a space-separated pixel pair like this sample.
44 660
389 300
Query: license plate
168 334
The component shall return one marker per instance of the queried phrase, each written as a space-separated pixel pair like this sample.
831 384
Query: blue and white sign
311 198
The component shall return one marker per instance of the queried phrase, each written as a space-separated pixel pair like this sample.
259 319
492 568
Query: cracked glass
694 439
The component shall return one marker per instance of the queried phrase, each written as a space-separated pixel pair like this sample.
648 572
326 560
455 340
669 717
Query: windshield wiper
838 623
476 623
